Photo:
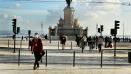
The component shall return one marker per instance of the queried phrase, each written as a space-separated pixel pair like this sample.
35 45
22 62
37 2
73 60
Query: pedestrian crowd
93 42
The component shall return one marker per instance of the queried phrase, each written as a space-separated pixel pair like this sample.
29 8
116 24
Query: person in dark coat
83 42
37 49
106 41
110 42
46 37
100 43
77 40
63 41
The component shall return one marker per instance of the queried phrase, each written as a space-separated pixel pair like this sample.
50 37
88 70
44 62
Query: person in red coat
37 49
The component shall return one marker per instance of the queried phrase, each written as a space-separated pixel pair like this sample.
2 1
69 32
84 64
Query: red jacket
37 46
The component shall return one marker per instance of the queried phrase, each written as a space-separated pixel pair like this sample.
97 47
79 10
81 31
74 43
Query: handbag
42 53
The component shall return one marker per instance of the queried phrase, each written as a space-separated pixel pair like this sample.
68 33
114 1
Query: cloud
5 16
53 16
18 5
98 6
90 14
29 11
18 17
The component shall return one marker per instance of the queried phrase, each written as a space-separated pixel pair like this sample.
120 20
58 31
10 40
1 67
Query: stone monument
68 26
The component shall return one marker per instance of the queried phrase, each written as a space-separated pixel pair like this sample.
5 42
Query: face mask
36 36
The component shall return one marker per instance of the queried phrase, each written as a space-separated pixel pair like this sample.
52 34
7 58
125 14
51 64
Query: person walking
100 43
37 50
110 42
63 41
106 41
83 42
96 41
89 42
77 40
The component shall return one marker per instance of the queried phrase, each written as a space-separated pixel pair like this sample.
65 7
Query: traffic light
102 28
14 25
117 24
113 32
18 30
29 32
99 30
14 28
14 21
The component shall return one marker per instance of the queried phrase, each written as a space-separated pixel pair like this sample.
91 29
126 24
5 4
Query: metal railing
8 42
74 53
102 52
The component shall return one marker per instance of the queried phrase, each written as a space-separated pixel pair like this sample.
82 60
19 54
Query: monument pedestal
68 16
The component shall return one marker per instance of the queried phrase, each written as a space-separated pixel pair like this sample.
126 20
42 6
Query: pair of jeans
99 47
37 59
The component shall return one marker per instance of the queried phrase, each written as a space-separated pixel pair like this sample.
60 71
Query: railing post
46 59
101 58
8 42
19 58
74 59
71 44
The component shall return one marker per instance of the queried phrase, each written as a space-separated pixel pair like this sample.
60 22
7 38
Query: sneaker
37 66
34 68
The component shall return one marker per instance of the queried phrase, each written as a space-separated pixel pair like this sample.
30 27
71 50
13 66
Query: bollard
8 43
71 44
74 59
101 58
19 58
129 57
46 59
58 45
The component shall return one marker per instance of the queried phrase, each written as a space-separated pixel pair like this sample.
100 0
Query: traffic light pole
116 27
114 46
101 33
101 29
14 42
29 33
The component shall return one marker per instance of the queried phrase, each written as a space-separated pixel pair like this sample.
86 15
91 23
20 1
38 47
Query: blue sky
31 13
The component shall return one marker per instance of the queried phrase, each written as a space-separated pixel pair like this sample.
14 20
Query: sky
31 14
